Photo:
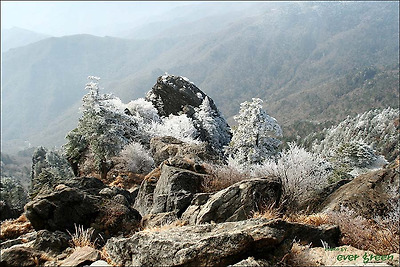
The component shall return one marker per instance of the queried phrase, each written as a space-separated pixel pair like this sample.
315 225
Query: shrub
380 235
302 173
135 158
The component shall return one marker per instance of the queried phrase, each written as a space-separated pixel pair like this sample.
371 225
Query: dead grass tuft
11 229
154 175
312 219
82 237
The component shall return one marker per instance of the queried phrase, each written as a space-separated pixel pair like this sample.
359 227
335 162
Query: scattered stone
100 263
81 256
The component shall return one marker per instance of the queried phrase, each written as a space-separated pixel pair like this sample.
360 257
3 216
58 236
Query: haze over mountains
311 61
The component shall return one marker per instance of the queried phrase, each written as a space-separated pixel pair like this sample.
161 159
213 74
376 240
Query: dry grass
11 229
221 177
312 219
127 180
269 212
165 227
82 237
381 237
154 175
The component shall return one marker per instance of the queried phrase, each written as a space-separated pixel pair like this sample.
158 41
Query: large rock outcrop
86 202
215 244
175 95
368 194
235 203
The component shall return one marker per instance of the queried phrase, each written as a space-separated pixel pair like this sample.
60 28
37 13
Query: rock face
172 192
235 203
366 194
85 202
214 244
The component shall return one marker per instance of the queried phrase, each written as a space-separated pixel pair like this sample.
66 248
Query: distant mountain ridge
287 54
17 37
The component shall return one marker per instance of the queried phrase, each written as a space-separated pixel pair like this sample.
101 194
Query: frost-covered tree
102 131
376 128
13 198
48 169
254 138
216 129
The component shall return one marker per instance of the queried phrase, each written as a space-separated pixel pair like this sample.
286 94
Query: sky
58 18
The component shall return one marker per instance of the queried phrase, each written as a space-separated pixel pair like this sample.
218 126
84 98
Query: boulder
215 244
51 242
367 194
235 203
62 209
177 95
172 191
81 256
250 261
175 189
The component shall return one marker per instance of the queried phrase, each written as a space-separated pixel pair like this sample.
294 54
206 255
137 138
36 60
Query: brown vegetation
221 177
11 229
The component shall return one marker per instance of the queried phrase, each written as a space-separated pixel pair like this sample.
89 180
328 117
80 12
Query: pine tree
254 138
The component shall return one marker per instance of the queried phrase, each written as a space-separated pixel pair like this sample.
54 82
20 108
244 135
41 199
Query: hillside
300 57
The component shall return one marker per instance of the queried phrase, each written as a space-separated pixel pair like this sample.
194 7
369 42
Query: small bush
302 173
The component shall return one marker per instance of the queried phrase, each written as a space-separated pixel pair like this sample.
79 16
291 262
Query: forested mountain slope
303 58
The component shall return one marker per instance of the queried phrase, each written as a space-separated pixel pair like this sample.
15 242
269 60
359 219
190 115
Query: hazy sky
59 18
